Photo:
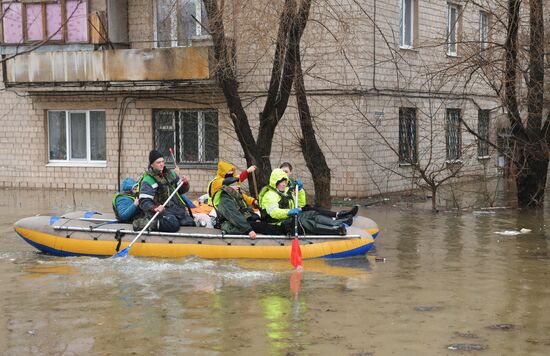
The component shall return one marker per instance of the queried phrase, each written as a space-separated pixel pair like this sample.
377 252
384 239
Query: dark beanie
154 155
230 180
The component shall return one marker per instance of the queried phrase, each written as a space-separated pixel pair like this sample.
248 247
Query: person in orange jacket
227 170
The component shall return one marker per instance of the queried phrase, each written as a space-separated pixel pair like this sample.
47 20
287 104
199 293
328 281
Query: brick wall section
351 75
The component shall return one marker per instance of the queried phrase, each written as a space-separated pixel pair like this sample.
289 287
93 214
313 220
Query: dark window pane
211 136
189 144
453 134
407 135
97 136
57 135
164 121
78 135
186 23
483 132
164 24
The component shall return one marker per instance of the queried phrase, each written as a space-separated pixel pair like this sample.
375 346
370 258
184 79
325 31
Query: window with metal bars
192 134
407 136
483 133
453 134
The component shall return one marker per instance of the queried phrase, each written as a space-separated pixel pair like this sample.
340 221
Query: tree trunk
434 198
315 159
531 178
292 23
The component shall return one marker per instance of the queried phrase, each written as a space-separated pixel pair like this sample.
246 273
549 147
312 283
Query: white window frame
174 26
402 22
87 162
452 29
483 30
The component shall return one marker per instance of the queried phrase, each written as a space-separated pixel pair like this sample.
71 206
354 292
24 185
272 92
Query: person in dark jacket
156 185
125 202
236 216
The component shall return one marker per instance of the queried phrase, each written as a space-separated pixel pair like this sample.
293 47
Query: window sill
99 164
452 55
406 164
483 158
408 49
454 161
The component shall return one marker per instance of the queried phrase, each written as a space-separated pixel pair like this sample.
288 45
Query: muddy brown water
449 286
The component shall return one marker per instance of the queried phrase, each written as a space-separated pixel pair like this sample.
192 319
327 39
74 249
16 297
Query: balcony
116 67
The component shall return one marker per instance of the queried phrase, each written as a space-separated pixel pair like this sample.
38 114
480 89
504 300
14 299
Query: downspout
374 47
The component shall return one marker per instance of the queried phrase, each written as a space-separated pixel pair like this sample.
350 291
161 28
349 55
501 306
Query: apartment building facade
90 86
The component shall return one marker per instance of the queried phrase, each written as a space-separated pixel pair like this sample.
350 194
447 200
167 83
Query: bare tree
292 22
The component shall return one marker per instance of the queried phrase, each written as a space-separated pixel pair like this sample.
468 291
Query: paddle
296 252
255 185
124 252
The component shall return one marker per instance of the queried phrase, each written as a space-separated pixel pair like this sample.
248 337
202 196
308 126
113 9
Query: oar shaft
154 216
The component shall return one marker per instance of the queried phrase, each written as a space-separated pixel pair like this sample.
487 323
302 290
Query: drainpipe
374 47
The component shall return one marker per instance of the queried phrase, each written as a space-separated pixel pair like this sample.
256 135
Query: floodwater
449 285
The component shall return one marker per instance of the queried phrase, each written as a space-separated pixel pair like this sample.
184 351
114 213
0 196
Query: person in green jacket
236 216
277 204
343 214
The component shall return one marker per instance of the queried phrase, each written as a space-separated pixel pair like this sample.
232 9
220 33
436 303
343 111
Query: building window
483 133
193 135
453 134
179 21
76 136
452 29
407 135
407 23
483 30
48 21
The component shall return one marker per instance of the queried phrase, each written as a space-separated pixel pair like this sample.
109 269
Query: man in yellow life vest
278 206
227 170
292 183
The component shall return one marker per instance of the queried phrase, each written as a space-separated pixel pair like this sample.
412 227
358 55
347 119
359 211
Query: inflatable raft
96 234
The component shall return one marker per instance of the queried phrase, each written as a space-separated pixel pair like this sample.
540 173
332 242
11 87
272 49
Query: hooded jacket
274 203
123 201
226 169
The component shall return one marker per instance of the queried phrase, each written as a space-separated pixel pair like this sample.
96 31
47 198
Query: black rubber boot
347 213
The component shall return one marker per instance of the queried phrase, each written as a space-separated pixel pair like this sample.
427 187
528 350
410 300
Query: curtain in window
98 142
57 135
78 135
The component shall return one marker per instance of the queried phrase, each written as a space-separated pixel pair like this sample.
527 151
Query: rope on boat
207 236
